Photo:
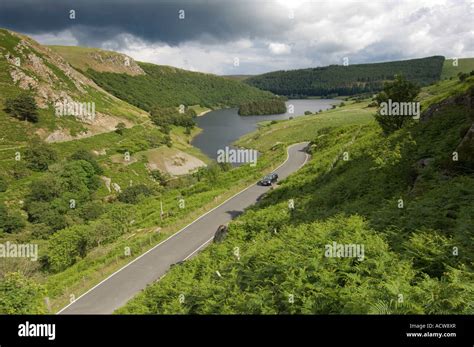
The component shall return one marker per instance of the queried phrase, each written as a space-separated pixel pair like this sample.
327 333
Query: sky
251 37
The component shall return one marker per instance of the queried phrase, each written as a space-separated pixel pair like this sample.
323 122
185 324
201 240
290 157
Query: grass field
304 128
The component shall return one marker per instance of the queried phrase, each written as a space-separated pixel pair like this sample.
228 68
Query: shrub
19 170
160 177
133 194
39 156
119 128
10 222
23 107
83 154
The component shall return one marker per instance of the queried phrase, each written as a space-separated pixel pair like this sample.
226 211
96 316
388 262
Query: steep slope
84 58
26 65
347 80
400 207
153 85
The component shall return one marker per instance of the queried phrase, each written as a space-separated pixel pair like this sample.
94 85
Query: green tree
19 170
83 154
3 184
133 194
23 107
39 156
399 91
10 222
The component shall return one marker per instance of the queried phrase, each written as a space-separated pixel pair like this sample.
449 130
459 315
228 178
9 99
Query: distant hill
464 65
347 80
149 85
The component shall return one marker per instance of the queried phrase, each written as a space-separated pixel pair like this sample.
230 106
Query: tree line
262 107
347 80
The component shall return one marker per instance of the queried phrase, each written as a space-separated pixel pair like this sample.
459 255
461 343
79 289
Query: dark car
269 179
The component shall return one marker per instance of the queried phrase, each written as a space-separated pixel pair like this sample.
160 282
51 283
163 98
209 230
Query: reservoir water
222 127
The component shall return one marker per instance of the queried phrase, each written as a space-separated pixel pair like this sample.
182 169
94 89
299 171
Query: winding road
114 292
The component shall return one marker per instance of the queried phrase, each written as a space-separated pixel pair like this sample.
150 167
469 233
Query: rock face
38 69
115 62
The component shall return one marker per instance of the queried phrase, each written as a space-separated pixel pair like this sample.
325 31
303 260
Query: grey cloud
153 21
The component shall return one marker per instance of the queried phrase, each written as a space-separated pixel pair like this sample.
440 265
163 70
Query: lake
222 127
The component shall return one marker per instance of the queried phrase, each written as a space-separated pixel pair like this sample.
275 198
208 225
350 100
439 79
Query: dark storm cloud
152 21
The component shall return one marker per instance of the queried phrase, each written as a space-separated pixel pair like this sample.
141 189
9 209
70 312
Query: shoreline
203 113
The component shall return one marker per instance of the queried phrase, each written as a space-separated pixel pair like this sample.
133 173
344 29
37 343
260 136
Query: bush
23 107
307 113
39 156
133 194
91 210
10 222
463 76
160 177
66 247
83 154
19 170
20 295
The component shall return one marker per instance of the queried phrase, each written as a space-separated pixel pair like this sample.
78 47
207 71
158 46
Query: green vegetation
165 86
84 201
451 71
30 95
20 295
399 91
401 196
166 117
262 107
336 80
39 155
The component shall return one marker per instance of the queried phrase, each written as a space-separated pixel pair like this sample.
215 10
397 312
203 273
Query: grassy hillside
84 58
402 197
465 65
28 66
148 85
82 199
347 80
168 86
